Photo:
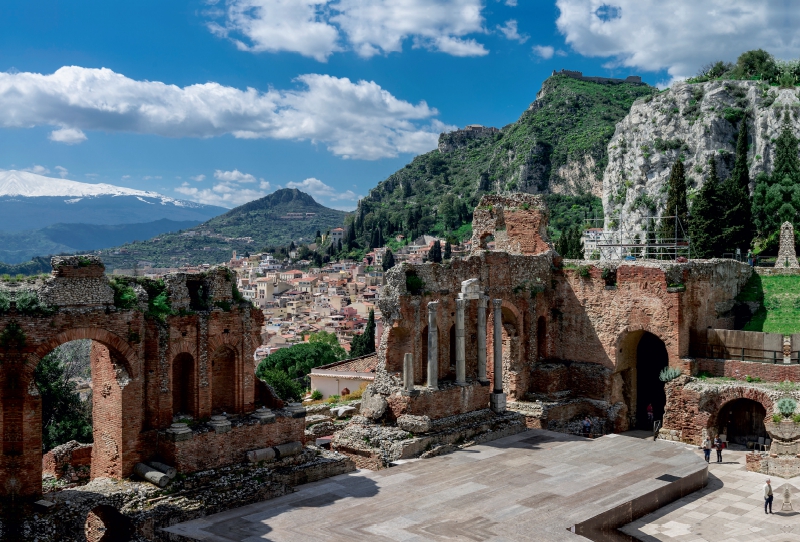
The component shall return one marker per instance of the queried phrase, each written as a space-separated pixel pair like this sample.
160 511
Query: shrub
669 373
124 295
333 399
414 284
776 418
796 418
28 303
584 271
755 379
284 386
316 395
786 406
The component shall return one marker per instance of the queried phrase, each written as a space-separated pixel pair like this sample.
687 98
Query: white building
348 374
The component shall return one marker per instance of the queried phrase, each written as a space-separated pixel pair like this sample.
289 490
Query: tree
737 218
364 344
64 416
388 260
291 246
756 63
435 253
448 250
286 388
339 245
569 245
776 198
676 203
330 339
705 226
298 360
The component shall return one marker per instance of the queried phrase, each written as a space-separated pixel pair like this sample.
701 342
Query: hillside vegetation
779 297
558 146
214 240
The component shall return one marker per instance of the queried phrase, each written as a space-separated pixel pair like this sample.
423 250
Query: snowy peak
27 184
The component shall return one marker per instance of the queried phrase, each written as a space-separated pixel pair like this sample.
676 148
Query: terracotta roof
361 364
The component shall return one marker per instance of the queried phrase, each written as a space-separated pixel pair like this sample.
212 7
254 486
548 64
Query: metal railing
719 351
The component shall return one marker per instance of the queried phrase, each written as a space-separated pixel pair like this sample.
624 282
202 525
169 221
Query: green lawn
780 303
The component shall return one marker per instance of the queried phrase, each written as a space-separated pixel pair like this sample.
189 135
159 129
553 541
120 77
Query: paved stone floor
530 486
730 508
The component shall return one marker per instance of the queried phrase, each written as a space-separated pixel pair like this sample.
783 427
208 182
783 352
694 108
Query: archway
642 355
741 420
541 338
183 385
421 365
106 524
223 381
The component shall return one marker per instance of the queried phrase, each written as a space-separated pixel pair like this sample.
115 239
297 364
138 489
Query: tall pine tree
388 260
364 344
737 218
435 253
676 204
705 226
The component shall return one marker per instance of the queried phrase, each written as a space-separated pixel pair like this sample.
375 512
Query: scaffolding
627 243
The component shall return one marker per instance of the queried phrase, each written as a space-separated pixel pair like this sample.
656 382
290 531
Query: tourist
718 447
650 413
587 427
767 496
707 449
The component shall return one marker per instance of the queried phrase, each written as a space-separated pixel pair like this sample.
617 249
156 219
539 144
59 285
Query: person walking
587 427
768 496
718 447
707 449
650 413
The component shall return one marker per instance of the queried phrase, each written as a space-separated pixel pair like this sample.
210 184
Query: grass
780 303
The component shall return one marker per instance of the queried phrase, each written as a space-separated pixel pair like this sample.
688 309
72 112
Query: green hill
557 147
214 240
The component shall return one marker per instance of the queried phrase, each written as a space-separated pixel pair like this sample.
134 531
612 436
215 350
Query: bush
414 284
286 388
333 399
776 418
124 295
786 406
669 373
316 395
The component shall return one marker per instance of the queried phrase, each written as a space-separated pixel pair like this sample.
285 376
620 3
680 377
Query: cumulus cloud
318 189
511 3
39 170
319 28
511 31
353 119
62 171
198 178
224 194
677 36
148 177
544 51
70 136
234 176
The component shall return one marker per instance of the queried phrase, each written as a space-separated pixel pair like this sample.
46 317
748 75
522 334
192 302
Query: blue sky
342 92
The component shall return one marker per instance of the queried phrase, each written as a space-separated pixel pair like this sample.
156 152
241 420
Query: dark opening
651 358
223 381
451 370
541 338
420 376
198 295
106 524
183 385
742 420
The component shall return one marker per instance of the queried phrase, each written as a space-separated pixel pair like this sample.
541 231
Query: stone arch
105 523
398 342
224 380
513 348
114 342
184 384
183 345
715 405
641 355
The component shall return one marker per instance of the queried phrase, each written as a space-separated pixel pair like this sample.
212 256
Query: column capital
497 303
460 304
433 306
482 301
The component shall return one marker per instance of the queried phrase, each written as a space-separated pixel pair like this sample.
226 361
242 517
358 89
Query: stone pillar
461 366
433 346
787 257
408 372
497 399
482 341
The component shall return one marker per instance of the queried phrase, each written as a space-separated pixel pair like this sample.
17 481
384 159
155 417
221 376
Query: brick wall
768 372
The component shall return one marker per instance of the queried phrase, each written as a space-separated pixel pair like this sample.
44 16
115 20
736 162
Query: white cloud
511 31
678 36
235 176
148 177
319 28
62 171
544 51
353 119
224 194
511 3
39 170
92 175
126 176
69 136
198 178
318 189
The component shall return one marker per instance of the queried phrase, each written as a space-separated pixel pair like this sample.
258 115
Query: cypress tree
705 226
388 260
435 253
364 344
676 203
448 250
569 245
737 219
777 197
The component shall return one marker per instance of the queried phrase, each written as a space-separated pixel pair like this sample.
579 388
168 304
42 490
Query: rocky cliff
693 121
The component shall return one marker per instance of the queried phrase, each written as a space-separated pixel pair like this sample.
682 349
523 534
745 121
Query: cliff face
694 121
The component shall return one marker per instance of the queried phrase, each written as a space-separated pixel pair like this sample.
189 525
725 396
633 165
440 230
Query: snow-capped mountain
31 201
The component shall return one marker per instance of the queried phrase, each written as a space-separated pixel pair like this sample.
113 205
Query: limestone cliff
694 121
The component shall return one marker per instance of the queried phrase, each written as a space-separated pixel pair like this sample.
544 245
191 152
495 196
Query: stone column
482 340
461 366
408 372
497 399
433 346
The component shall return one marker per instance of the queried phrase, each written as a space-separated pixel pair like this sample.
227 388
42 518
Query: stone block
414 424
220 424
178 432
497 402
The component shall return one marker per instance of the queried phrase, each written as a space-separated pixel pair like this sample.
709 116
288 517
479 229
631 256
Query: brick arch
106 338
183 346
222 340
225 379
712 405
623 344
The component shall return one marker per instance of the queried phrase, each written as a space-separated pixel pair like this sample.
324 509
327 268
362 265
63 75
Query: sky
225 101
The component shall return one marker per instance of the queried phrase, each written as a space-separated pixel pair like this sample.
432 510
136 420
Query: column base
462 384
497 402
484 382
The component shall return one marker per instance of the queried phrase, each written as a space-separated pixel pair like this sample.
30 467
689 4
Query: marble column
482 340
497 399
408 372
461 365
433 346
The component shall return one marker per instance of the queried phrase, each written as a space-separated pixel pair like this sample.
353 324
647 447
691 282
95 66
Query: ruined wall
517 223
449 401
